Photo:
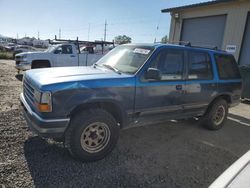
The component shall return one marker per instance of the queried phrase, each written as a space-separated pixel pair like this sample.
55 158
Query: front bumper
23 67
47 128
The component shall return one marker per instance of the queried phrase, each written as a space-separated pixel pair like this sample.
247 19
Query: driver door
163 97
64 56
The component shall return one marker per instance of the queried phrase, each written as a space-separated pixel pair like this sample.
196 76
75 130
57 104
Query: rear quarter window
227 67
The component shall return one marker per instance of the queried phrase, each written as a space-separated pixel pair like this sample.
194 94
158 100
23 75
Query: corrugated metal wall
245 51
234 27
204 31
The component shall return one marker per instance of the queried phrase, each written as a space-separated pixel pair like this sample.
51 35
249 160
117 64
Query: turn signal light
44 108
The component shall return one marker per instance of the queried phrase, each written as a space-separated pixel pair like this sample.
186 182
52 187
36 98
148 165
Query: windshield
51 48
126 59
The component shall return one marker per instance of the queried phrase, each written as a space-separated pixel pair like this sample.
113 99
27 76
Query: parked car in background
87 106
10 47
236 176
59 55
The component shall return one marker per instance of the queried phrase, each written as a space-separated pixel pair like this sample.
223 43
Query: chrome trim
37 116
23 67
156 110
195 105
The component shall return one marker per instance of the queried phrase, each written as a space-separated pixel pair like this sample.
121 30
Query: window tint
65 49
199 66
170 64
227 67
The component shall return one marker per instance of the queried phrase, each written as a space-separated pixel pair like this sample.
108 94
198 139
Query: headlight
44 101
46 98
24 56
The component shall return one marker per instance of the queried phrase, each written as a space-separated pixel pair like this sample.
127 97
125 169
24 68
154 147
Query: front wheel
92 134
216 115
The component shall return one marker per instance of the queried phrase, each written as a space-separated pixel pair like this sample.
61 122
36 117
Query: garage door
245 51
204 31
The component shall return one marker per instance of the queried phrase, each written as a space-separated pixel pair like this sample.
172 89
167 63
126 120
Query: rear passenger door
200 83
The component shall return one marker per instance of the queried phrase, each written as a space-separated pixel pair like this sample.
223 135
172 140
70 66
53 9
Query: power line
88 31
59 33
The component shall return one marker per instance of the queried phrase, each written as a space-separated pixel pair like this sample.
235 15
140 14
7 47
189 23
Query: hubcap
95 137
219 115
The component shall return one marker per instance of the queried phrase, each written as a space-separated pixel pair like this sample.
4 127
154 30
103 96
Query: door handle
178 87
72 56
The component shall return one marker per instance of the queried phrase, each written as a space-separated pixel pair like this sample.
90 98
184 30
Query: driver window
170 63
65 49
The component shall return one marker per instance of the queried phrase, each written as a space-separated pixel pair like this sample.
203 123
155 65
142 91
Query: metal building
221 23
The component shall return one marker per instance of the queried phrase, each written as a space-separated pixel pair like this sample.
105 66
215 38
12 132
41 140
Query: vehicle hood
32 53
69 77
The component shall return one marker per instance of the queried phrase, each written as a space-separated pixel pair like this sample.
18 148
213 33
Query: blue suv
136 83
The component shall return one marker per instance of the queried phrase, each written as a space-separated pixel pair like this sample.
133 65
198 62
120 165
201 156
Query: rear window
227 67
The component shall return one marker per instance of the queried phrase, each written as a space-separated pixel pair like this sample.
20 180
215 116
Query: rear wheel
216 115
92 135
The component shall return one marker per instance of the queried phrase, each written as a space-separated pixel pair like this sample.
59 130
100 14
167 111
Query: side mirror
153 74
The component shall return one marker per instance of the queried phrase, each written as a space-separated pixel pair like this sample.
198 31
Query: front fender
66 102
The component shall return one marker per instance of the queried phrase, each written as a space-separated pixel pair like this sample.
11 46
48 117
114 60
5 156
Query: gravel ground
171 154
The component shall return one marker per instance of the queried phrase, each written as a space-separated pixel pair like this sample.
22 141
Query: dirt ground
171 154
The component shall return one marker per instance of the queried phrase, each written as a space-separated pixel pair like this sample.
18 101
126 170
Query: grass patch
6 55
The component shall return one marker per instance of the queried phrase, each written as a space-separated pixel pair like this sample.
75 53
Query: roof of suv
157 45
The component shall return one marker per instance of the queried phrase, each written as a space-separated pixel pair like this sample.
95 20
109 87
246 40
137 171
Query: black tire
216 115
80 126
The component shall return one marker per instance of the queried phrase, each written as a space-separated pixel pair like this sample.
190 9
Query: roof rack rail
187 43
78 42
207 47
184 43
56 41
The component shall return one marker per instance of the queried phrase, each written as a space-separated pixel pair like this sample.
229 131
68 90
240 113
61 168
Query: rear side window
199 66
227 67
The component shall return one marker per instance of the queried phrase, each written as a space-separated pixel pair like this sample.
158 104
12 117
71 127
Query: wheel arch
114 108
44 61
226 96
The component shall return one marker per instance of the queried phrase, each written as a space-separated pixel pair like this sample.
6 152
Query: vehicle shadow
170 154
19 77
51 165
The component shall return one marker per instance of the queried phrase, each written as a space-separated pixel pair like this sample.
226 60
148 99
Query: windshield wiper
112 68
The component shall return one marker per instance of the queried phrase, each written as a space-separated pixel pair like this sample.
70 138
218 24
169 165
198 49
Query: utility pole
59 33
88 31
38 35
157 28
105 30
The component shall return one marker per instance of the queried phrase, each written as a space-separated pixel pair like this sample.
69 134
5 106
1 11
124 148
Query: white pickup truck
60 55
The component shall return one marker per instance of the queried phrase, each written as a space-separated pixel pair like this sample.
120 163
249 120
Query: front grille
28 91
18 62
